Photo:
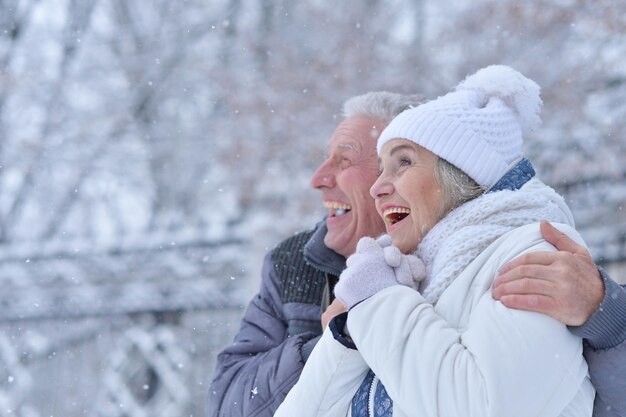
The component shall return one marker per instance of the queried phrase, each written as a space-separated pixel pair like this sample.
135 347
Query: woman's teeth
396 214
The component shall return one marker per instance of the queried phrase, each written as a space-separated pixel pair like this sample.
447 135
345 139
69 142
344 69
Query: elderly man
282 323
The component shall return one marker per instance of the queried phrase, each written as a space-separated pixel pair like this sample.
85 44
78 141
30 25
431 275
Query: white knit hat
478 127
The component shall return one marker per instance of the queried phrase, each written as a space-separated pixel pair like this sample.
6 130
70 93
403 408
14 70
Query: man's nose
323 177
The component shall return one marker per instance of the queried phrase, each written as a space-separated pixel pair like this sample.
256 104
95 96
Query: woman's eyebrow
400 148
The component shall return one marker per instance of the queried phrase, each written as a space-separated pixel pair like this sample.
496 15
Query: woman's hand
375 266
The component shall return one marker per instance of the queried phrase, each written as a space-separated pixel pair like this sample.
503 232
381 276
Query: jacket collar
516 177
321 256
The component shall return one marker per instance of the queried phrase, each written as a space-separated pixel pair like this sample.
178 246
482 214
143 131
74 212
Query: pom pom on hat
478 127
517 91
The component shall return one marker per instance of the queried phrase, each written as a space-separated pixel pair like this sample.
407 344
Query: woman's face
407 196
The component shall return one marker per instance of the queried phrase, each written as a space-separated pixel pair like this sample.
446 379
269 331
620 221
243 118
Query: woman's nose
381 187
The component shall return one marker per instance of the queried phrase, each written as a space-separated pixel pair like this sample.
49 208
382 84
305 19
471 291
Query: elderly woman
458 202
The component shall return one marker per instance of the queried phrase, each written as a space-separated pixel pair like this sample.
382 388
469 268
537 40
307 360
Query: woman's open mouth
394 215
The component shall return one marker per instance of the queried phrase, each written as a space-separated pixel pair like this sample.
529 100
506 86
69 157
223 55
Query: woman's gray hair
381 104
457 187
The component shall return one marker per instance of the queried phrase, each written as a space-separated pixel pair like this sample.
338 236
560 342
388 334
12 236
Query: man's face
345 178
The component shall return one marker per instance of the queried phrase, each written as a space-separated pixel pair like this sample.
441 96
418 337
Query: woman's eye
404 162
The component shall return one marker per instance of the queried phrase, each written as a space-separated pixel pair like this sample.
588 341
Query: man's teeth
337 209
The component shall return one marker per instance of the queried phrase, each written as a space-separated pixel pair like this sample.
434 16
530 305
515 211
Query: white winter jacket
468 355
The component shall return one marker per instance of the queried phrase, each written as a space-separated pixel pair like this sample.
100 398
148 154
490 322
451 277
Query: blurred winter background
151 152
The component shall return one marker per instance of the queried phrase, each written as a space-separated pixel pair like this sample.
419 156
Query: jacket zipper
370 402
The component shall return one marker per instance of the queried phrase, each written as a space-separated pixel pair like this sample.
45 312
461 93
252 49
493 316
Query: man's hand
334 309
565 285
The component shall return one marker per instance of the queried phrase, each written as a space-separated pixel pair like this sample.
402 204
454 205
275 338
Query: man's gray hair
457 187
381 104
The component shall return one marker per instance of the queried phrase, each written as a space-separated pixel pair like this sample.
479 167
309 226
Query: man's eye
345 162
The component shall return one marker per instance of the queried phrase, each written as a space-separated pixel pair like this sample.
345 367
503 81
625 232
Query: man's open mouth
395 214
336 208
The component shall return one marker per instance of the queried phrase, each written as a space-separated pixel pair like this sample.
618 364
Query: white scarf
457 239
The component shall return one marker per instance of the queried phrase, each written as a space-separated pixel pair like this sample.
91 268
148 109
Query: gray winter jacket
605 350
282 324
279 329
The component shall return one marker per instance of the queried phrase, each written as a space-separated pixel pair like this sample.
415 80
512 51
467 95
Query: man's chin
337 244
